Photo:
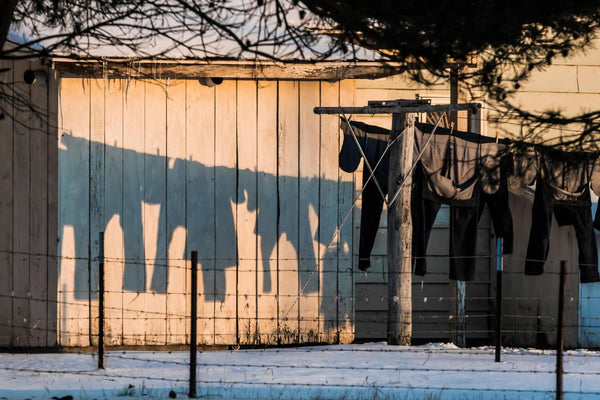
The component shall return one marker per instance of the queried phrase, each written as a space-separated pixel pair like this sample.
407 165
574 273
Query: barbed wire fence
551 324
97 316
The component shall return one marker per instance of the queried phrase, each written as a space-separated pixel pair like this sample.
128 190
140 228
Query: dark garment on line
578 214
498 207
563 190
455 168
373 142
463 228
454 162
465 171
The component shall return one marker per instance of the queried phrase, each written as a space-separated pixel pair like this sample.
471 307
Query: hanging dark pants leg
424 212
501 217
581 219
463 242
539 234
580 216
372 205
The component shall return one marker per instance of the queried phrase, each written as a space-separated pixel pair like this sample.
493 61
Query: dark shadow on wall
182 189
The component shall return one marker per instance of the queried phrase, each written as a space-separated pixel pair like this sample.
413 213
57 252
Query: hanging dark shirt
563 181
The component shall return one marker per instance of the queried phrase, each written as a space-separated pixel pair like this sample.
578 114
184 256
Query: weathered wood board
246 211
242 173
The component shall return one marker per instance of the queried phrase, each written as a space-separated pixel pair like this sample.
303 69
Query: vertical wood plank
96 206
308 246
175 209
38 217
266 222
246 210
134 273
6 206
155 199
113 212
52 213
345 276
328 215
21 192
287 182
74 212
225 206
200 126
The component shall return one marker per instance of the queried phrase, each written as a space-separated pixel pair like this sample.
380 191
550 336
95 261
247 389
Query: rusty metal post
560 330
101 302
193 324
499 269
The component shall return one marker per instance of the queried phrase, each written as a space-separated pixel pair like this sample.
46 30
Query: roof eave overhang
194 69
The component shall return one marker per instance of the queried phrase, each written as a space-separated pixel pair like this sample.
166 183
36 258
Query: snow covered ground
361 371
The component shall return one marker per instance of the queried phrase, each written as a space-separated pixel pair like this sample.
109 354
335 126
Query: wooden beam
454 95
397 109
194 69
399 235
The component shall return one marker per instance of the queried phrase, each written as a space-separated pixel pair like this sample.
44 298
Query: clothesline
468 181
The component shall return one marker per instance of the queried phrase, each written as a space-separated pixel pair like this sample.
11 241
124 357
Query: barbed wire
327 257
91 373
295 337
373 385
366 367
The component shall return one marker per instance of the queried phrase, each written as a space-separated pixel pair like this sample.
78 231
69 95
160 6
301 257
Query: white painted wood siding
244 172
28 167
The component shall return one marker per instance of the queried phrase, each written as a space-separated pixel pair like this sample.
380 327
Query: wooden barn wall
244 173
28 210
434 307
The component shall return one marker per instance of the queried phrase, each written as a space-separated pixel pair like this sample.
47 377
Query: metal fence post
499 269
560 330
101 302
194 319
461 312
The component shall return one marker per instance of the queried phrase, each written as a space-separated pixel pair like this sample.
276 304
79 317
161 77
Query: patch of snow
357 371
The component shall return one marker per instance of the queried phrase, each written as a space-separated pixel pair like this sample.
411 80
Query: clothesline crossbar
399 109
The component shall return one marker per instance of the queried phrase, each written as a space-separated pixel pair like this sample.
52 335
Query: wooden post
458 288
399 225
454 93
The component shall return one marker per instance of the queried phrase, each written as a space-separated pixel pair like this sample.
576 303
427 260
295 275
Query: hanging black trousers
577 213
374 149
463 231
499 209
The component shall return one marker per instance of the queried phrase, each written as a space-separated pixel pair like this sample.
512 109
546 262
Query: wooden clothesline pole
393 107
399 236
399 226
